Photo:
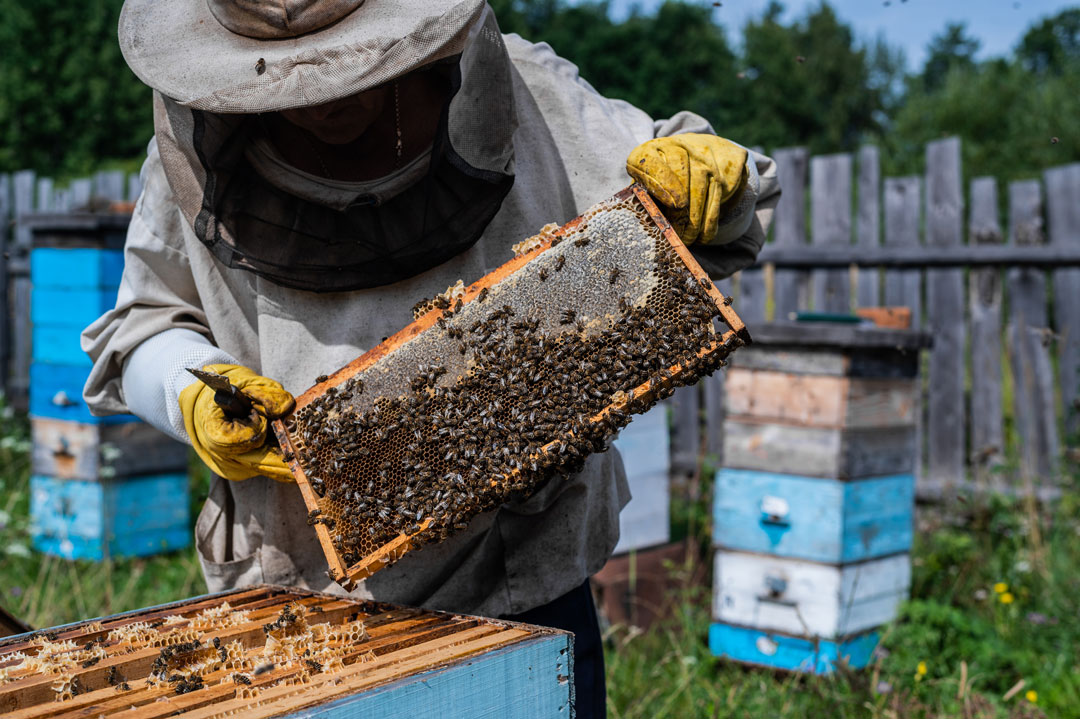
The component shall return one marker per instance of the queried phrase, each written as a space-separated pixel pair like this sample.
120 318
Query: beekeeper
317 167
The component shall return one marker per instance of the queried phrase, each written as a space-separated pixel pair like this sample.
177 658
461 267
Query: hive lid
501 384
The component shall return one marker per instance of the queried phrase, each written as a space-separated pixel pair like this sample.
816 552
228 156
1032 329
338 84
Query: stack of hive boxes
101 486
814 503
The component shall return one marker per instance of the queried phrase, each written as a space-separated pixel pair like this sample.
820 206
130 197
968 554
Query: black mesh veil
251 224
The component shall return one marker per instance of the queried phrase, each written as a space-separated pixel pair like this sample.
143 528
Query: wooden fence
1003 306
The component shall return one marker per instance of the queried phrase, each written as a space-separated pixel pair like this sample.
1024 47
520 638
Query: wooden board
871 363
830 217
820 401
58 345
117 518
946 419
810 518
903 213
791 288
67 308
1063 226
818 451
362 659
75 268
868 224
778 651
1030 337
73 450
985 291
645 448
807 598
685 407
56 393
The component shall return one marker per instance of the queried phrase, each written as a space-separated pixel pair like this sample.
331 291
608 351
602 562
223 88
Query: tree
1053 45
67 100
952 50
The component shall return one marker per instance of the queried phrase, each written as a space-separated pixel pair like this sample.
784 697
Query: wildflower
1006 598
1001 588
920 671
1032 696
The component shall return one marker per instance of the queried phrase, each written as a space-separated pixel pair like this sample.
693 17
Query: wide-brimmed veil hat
249 56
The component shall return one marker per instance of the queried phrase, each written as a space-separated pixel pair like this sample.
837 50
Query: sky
999 24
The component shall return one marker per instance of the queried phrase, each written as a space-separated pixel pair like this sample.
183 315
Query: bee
559 262
260 66
613 276
313 665
582 242
244 678
567 317
90 662
321 378
543 274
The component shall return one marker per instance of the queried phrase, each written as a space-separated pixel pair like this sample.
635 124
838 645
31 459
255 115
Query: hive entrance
498 387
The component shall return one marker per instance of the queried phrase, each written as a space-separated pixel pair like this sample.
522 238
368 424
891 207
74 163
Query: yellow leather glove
235 448
695 177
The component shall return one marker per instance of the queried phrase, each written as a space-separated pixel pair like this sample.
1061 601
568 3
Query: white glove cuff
155 374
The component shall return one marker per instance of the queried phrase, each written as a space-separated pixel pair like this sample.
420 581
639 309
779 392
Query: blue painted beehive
89 473
813 506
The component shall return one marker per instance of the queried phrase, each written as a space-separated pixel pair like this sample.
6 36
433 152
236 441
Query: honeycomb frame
430 319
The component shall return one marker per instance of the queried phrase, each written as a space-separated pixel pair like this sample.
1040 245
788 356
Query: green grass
976 648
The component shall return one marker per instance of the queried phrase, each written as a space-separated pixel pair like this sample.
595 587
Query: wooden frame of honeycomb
635 280
260 652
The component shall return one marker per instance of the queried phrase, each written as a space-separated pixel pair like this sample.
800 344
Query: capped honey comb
257 652
502 385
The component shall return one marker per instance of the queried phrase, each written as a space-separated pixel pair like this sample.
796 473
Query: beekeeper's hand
696 179
235 448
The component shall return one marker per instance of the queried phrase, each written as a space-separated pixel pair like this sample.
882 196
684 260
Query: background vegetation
809 82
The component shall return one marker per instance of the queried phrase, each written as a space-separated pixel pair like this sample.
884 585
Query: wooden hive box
813 507
499 385
101 486
273 652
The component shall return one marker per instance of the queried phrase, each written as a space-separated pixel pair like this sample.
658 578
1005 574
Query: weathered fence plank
1063 220
712 392
110 185
791 288
19 268
902 215
752 298
868 223
946 431
46 195
830 218
82 192
1029 340
685 430
134 187
987 433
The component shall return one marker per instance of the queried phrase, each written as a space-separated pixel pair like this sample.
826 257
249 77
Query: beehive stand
271 652
498 386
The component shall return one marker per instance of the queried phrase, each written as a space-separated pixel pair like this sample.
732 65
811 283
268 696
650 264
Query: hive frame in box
735 336
381 650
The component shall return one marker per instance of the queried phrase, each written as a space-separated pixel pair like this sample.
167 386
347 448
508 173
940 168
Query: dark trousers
575 612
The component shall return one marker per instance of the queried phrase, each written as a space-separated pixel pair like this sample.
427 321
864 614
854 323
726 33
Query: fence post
685 430
134 187
791 288
987 434
19 268
82 193
1029 339
903 212
830 221
868 223
1063 219
945 311
110 185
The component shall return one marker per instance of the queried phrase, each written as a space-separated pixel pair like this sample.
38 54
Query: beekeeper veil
215 65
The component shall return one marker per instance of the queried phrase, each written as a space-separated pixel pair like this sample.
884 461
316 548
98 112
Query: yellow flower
920 671
1001 587
1006 598
1032 696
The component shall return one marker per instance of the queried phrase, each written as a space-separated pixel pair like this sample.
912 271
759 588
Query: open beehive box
268 651
497 387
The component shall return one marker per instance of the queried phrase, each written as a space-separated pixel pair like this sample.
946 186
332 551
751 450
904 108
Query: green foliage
1052 46
68 103
953 50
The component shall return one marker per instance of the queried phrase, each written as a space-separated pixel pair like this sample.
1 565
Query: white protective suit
179 306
